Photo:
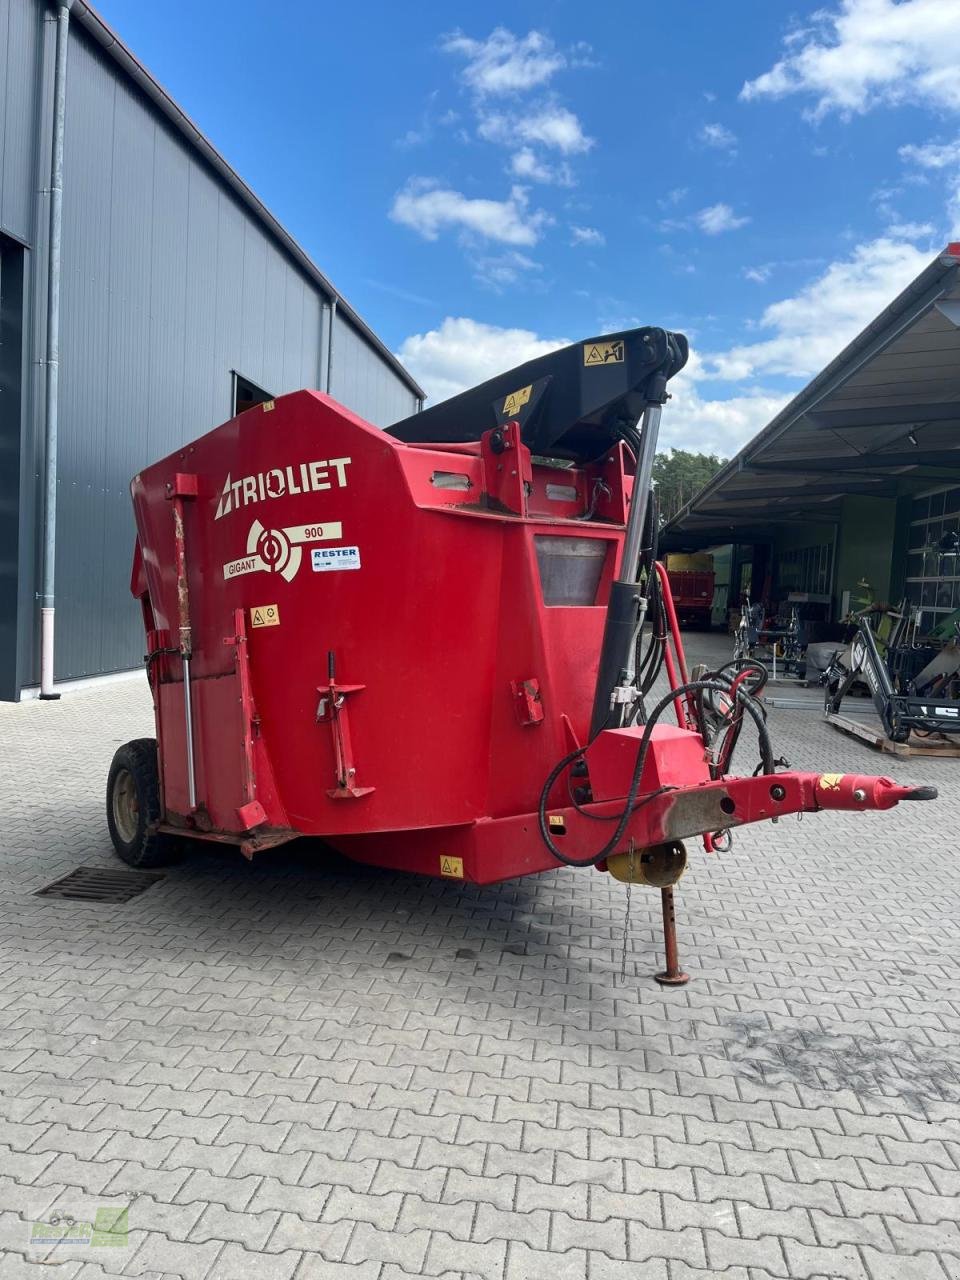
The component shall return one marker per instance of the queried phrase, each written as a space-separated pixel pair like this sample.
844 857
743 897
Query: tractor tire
133 807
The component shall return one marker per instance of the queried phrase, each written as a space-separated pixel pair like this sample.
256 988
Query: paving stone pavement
303 1068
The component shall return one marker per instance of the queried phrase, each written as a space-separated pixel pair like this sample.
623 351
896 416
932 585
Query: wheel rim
126 806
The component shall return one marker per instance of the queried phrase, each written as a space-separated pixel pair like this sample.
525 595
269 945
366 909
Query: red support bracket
251 813
527 700
332 710
507 470
183 485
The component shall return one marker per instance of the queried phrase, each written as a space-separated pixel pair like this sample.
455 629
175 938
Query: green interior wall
866 545
796 537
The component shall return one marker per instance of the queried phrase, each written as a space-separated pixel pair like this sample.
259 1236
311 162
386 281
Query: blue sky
483 182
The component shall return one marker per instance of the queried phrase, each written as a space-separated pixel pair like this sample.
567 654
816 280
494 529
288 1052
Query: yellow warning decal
517 399
267 406
452 867
603 353
831 781
265 615
556 820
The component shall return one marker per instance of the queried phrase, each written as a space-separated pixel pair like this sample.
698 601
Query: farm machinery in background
436 646
779 639
914 679
692 580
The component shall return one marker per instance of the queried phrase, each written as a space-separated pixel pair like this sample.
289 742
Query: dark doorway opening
246 393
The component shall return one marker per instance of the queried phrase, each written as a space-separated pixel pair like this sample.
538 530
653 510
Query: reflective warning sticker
516 400
452 867
265 615
556 820
831 781
603 353
267 406
330 559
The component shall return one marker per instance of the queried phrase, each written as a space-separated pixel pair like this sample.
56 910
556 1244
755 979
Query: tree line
679 475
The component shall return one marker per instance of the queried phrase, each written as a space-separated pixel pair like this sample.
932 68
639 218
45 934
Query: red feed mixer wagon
435 646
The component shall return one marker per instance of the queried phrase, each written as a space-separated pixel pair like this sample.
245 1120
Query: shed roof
881 419
111 43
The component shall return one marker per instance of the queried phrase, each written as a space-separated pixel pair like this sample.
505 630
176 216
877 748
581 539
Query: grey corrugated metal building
179 295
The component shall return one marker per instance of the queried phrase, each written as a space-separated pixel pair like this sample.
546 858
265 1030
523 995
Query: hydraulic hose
739 697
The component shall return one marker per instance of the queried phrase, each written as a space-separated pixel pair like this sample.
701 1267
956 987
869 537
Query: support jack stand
673 975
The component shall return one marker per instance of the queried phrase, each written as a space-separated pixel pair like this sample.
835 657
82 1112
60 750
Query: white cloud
506 75
499 271
713 220
810 328
714 426
673 198
718 136
719 218
505 63
868 53
759 275
581 55
549 125
462 352
940 157
587 235
933 155
429 209
528 166
910 230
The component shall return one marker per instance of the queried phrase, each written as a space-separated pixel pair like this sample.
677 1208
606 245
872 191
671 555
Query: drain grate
100 884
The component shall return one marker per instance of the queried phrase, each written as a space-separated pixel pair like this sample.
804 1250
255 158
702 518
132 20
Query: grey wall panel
168 285
252 302
274 314
229 300
21 23
291 350
311 343
169 233
363 382
201 402
87 328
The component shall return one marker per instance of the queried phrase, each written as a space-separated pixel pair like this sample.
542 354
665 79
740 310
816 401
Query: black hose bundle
719 702
649 660
719 721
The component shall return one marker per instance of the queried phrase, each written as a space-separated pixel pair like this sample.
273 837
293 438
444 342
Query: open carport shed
859 476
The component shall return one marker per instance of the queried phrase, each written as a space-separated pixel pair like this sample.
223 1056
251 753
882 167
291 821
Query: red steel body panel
441 619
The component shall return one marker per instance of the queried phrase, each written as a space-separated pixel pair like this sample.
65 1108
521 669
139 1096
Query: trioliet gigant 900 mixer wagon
433 646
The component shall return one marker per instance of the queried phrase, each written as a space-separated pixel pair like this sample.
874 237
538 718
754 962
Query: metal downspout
333 316
47 590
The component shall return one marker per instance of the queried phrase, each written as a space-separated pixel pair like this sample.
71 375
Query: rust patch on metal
183 594
689 813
